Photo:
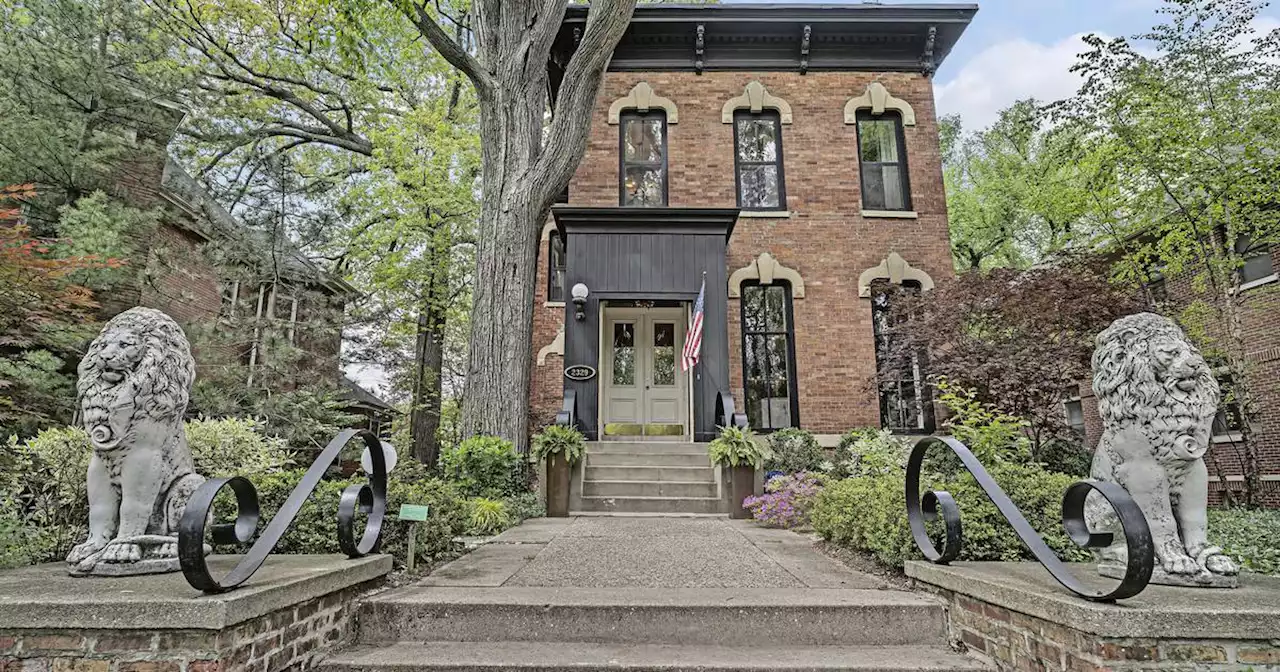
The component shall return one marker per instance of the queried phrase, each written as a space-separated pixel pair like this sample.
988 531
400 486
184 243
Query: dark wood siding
665 264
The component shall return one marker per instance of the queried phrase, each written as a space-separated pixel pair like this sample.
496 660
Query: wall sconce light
579 293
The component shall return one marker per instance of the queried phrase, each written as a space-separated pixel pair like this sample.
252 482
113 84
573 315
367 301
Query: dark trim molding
650 220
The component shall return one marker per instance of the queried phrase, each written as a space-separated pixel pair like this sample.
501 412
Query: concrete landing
593 552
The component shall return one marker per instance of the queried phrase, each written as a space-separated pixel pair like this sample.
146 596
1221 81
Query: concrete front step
643 447
634 473
728 617
640 504
627 488
648 460
587 657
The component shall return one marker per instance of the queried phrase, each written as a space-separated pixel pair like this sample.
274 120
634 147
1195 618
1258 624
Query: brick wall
290 638
825 238
1011 640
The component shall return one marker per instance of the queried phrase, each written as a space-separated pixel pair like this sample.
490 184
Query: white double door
645 392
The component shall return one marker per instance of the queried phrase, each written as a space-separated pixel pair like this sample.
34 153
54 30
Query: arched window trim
793 388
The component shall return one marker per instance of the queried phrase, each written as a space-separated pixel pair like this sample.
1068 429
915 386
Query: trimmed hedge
869 514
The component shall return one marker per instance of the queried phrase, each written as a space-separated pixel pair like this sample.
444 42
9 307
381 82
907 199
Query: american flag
693 339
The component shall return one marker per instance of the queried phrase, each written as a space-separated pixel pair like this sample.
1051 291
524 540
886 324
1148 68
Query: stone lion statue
132 392
1157 399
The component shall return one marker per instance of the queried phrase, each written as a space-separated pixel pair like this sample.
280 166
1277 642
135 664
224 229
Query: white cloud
1009 71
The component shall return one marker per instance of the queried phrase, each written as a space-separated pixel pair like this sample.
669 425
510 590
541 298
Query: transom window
883 162
769 356
555 268
904 403
643 156
758 142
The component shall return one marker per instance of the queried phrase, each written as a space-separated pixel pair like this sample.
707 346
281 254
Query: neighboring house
376 411
1260 283
179 279
789 155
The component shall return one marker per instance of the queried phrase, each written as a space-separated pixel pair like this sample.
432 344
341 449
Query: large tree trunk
522 174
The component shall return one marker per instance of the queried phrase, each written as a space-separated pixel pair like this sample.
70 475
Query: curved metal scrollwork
568 414
1137 535
370 498
726 415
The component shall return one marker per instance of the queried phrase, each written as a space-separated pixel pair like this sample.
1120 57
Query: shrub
487 517
236 447
794 451
563 439
869 452
1249 536
787 500
989 432
525 505
314 528
869 514
1065 456
736 446
484 466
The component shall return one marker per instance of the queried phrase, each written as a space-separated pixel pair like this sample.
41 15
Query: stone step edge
654 498
550 656
646 481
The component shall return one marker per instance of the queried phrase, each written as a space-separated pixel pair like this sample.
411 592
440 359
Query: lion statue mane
133 387
1157 399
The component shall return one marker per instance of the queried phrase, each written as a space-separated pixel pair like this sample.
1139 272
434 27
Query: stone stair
666 477
546 629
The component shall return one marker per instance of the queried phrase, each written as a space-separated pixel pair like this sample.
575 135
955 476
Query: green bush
990 433
484 466
314 530
525 505
869 514
487 517
236 447
1066 456
1249 536
794 451
736 446
563 439
868 452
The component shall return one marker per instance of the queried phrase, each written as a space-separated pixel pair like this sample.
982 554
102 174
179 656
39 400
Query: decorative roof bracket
927 62
700 48
804 48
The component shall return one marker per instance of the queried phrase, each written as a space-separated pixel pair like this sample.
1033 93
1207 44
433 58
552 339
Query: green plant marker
414 513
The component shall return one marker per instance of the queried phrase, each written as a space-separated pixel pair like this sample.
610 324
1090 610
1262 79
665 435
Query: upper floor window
758 142
769 356
882 158
643 158
1257 261
555 268
1073 408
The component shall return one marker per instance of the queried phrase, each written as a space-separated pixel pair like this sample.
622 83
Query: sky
1018 49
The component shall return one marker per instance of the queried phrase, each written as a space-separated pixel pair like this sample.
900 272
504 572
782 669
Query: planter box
558 486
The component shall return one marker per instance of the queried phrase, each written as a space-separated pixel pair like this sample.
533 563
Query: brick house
789 156
1260 284
177 276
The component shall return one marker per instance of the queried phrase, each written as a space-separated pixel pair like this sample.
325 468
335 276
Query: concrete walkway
640 552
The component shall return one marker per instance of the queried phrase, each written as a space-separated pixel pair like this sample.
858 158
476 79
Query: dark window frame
1245 249
738 162
554 241
793 386
904 171
636 115
919 376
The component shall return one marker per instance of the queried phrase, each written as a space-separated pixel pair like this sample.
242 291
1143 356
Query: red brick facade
825 237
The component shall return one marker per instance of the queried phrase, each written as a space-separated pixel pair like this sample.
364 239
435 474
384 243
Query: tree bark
521 176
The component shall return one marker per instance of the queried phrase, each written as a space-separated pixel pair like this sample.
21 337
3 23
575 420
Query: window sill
890 214
765 214
1260 282
553 304
1232 437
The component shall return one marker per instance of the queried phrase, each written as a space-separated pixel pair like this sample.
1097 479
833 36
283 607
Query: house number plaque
579 372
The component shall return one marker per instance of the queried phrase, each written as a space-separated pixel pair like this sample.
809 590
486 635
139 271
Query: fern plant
562 439
739 447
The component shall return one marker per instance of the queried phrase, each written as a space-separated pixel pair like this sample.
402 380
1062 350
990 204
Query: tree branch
447 47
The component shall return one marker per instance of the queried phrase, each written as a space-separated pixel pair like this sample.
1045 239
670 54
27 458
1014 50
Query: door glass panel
664 353
624 353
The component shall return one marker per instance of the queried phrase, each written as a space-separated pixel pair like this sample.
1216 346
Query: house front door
645 392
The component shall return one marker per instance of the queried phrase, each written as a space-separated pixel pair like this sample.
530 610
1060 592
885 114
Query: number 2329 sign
579 372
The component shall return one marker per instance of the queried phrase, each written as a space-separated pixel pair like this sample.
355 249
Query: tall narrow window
769 356
555 268
758 142
643 157
883 160
904 406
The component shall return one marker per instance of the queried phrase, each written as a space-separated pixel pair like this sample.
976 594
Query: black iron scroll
370 498
1137 535
726 415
